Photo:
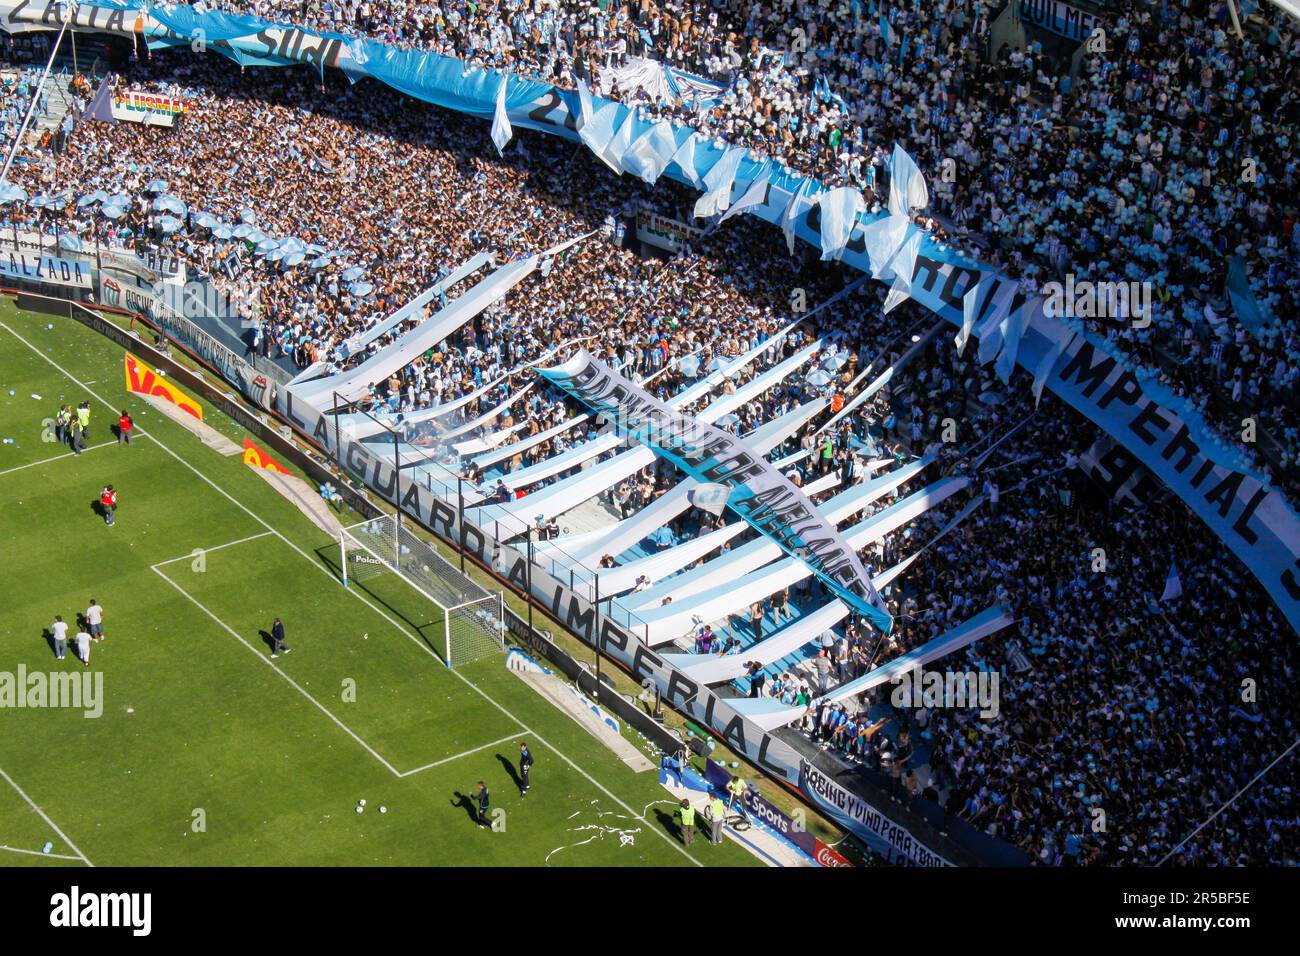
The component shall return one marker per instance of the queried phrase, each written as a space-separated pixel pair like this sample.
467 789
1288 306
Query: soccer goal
473 618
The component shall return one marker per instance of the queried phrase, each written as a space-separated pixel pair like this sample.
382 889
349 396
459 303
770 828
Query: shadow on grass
510 769
466 801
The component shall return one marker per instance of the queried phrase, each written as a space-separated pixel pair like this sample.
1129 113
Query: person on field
83 647
95 621
525 765
687 817
108 504
484 800
124 426
717 814
60 631
83 419
76 437
278 646
736 797
63 425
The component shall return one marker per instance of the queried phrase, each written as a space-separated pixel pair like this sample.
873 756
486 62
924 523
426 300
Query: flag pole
40 87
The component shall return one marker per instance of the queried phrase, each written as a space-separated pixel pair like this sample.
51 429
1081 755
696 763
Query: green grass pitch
207 751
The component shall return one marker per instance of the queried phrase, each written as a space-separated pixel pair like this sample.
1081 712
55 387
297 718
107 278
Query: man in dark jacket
525 764
278 646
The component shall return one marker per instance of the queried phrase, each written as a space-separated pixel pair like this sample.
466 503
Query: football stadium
531 433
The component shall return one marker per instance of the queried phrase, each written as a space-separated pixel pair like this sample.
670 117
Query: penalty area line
292 683
46 461
41 813
216 547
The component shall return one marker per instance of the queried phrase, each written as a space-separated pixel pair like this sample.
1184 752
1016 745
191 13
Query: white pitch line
312 561
466 753
46 461
218 547
292 683
53 856
41 813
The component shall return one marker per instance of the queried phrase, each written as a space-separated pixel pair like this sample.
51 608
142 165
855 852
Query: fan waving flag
1173 585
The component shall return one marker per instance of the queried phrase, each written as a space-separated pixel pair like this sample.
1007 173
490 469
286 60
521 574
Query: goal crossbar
473 618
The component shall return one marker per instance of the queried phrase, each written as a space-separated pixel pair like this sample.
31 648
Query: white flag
755 195
790 218
969 303
501 131
710 497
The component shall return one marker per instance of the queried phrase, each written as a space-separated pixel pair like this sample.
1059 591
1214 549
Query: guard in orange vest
124 426
108 503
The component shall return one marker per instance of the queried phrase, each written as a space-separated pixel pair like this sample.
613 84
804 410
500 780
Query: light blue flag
684 157
584 104
990 333
1048 362
1173 584
1013 330
718 182
1244 303
886 31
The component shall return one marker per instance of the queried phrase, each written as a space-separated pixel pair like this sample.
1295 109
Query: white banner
152 109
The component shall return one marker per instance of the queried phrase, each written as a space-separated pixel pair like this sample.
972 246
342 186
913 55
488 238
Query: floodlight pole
338 443
40 87
596 637
397 486
528 572
460 530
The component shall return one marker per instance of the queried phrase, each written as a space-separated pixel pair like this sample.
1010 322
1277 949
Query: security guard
717 816
63 425
688 821
736 788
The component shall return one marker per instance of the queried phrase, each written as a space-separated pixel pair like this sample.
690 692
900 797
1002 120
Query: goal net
472 617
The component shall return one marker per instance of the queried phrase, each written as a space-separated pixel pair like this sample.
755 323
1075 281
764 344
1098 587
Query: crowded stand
1113 696
1095 176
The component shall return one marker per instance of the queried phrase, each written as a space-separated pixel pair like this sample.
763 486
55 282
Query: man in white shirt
83 647
95 621
60 631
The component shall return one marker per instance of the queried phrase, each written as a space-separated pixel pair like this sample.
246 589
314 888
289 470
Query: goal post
473 618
